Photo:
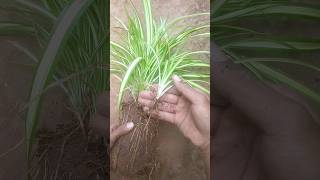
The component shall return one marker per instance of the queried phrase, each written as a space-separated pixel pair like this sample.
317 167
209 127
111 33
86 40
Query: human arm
289 135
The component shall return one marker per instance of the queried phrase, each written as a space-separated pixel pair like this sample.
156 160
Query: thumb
120 131
187 91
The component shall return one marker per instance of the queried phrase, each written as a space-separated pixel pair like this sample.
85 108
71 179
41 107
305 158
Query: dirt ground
13 92
179 159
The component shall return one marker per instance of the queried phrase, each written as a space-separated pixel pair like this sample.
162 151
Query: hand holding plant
187 108
116 131
150 52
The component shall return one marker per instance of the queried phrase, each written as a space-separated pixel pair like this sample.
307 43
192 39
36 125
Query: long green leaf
266 9
280 60
289 10
269 44
16 29
37 9
286 80
126 77
239 13
217 4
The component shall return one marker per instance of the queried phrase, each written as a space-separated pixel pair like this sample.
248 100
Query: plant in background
263 52
151 52
73 39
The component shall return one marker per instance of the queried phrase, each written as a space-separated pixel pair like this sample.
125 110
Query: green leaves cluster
261 51
151 53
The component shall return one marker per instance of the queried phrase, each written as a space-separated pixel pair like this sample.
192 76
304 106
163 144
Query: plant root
134 154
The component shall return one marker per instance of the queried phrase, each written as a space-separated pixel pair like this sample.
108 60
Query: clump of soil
134 153
67 153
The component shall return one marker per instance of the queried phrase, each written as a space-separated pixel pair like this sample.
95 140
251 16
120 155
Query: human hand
99 124
187 108
117 131
284 131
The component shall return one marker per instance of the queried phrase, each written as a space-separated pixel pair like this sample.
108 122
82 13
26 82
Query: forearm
292 157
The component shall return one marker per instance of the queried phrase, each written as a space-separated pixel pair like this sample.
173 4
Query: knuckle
202 99
172 108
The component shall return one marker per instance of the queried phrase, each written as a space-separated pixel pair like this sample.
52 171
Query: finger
169 98
167 107
146 102
173 90
163 106
165 116
154 89
147 95
113 127
123 129
120 131
187 91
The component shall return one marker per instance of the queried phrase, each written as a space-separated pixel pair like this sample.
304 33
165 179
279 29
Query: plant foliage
150 53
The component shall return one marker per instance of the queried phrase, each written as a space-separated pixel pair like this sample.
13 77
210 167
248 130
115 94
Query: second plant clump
151 52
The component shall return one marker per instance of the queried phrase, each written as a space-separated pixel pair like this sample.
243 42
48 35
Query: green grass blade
25 51
239 13
289 10
148 20
280 60
269 44
37 9
7 29
217 4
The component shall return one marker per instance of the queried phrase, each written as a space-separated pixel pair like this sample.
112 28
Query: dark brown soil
69 154
134 154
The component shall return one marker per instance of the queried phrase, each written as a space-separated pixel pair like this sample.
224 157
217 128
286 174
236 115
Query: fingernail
130 125
176 78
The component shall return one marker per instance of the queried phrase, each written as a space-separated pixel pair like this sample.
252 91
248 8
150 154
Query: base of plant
134 153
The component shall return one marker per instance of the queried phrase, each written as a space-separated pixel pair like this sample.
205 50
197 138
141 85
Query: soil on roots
134 153
69 154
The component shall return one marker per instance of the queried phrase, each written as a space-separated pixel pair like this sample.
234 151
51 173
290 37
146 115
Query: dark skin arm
288 142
